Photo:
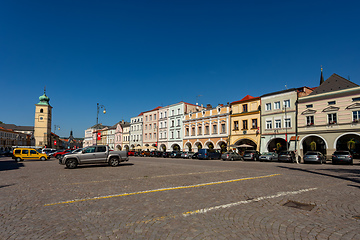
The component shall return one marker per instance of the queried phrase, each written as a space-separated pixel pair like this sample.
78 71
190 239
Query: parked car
287 156
131 153
7 153
145 154
209 154
94 154
155 154
232 156
269 156
251 155
195 156
48 150
342 157
313 156
175 154
187 154
166 154
20 154
61 152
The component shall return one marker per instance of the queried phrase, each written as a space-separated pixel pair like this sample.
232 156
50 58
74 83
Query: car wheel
232 159
43 159
114 162
17 159
71 163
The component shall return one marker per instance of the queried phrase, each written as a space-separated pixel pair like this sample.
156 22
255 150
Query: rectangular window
356 116
150 117
287 123
223 128
193 131
245 108
236 125
161 115
149 126
160 135
146 118
286 103
154 135
214 129
186 131
277 123
165 114
178 122
309 106
254 123
276 105
207 131
245 124
332 118
199 130
172 123
145 126
154 116
332 103
178 134
172 112
149 135
172 135
267 106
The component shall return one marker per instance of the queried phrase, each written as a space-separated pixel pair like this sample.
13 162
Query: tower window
41 110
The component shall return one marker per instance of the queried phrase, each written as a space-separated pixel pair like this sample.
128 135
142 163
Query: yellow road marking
160 190
160 176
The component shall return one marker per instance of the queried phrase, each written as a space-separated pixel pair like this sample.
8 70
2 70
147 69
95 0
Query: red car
61 152
131 153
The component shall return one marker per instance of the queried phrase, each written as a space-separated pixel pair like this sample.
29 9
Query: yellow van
20 154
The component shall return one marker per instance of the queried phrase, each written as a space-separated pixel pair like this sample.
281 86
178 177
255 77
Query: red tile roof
246 98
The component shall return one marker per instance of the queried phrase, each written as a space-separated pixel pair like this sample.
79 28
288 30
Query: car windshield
311 153
342 152
268 153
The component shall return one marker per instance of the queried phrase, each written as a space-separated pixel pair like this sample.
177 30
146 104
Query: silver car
231 156
314 156
269 156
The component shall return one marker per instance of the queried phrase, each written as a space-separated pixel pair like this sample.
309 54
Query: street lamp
97 112
285 106
56 127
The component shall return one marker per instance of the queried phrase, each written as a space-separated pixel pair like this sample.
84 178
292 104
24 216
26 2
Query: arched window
41 110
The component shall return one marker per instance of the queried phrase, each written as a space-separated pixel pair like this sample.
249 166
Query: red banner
99 136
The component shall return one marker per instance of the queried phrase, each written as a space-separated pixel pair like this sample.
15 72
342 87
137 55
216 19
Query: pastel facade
279 119
175 123
245 119
150 129
328 119
163 129
207 128
136 131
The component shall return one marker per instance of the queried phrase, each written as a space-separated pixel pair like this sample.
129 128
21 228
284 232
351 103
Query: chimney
208 106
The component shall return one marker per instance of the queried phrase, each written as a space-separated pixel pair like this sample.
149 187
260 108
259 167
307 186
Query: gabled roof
246 98
333 83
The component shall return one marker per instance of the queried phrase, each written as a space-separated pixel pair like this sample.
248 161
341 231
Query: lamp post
56 127
285 106
97 112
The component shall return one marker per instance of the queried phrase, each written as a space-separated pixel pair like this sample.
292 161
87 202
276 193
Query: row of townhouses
324 119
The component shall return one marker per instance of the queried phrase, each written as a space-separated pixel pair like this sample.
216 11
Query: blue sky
132 56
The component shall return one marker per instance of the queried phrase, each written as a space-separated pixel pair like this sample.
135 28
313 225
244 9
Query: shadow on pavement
352 175
101 165
7 165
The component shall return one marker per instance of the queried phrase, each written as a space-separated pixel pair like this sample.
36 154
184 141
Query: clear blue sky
133 56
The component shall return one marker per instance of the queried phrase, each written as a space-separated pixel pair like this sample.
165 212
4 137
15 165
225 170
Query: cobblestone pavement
157 198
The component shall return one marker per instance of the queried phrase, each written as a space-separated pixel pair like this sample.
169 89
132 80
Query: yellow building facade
245 124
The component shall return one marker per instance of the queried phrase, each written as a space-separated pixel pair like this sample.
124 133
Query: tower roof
44 100
334 83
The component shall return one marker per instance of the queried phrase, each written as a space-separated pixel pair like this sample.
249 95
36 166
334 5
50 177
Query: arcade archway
314 143
349 142
277 145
